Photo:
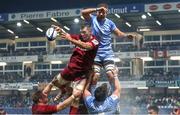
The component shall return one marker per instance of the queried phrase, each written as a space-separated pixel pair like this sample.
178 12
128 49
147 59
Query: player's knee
60 81
80 87
97 69
112 71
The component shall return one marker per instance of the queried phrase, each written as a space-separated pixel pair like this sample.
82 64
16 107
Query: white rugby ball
51 34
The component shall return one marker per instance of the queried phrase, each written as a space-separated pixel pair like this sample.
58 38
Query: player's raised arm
117 87
78 43
49 86
85 40
88 83
68 101
121 34
86 13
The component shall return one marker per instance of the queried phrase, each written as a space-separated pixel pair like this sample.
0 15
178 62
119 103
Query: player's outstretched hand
57 28
130 36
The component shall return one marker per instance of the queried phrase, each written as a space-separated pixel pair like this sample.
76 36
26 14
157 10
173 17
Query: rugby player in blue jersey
102 28
98 101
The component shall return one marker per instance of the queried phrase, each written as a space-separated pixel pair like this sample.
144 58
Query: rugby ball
51 34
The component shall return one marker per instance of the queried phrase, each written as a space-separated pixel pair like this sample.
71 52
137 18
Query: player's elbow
85 15
84 12
119 34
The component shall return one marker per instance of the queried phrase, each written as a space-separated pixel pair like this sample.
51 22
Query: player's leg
80 84
110 71
57 81
78 107
63 85
97 69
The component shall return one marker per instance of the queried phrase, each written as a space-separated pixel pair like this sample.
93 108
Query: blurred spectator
176 111
153 110
2 112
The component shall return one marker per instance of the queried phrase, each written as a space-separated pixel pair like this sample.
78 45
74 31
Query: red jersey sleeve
51 109
44 109
76 37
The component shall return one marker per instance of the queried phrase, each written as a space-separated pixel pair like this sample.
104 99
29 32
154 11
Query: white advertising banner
173 53
162 7
129 84
16 86
57 57
133 84
139 54
44 14
18 58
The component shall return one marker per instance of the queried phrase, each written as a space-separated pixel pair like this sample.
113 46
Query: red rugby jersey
44 109
83 59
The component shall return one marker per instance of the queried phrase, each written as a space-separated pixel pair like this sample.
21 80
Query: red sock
73 110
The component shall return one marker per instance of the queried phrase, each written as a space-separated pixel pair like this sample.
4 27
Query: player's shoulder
93 16
89 98
94 37
109 21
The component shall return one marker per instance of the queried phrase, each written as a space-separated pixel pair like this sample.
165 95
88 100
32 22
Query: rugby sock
73 110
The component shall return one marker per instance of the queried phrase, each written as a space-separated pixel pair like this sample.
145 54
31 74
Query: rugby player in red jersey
41 106
80 64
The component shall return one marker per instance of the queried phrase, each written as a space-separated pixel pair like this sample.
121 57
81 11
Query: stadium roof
168 20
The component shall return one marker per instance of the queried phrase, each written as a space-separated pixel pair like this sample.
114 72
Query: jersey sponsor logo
114 97
95 42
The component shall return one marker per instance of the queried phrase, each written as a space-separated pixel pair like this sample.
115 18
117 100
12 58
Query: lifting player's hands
76 92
